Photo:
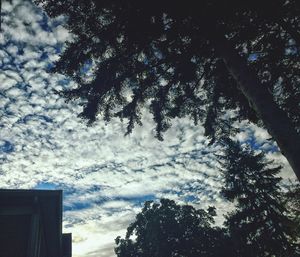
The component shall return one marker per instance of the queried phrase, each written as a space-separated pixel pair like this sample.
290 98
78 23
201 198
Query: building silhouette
31 224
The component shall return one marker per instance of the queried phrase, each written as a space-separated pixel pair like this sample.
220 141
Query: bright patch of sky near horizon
105 176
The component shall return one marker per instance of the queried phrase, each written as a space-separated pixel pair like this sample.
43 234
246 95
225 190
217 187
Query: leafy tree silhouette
193 59
260 225
166 229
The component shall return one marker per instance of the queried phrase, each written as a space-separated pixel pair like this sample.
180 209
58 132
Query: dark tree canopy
292 200
260 225
196 59
166 229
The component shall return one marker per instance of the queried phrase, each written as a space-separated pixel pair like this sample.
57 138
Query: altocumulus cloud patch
105 176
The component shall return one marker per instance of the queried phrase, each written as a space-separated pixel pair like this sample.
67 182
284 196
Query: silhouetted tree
291 199
166 229
259 226
195 58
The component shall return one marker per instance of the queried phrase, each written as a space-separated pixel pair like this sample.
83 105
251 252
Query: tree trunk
275 120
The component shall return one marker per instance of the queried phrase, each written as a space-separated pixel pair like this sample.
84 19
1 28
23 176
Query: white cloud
105 176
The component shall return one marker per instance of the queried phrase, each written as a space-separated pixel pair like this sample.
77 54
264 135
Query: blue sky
105 176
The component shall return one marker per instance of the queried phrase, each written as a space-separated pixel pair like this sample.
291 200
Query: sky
105 176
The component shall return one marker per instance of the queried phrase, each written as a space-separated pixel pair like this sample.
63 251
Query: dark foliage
291 198
160 52
260 225
166 229
196 59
